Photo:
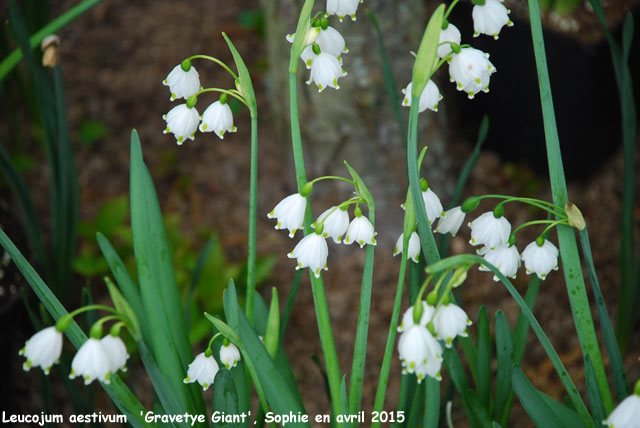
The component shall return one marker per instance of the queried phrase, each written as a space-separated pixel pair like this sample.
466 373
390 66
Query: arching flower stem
217 61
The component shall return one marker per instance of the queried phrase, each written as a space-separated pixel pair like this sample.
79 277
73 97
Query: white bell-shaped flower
331 41
43 349
451 221
419 351
342 8
428 99
490 231
116 350
335 222
540 259
229 355
449 35
471 70
218 118
203 370
325 70
489 18
432 205
626 414
413 249
311 252
181 83
505 257
360 230
450 321
91 362
182 122
289 213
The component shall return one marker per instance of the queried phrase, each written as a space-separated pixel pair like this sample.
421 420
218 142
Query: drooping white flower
428 99
325 71
116 351
203 370
342 8
540 259
505 257
43 349
471 70
329 40
91 362
489 231
182 122
413 249
290 213
218 118
451 221
450 321
419 351
181 83
626 414
311 252
449 35
432 205
360 230
335 221
489 18
229 355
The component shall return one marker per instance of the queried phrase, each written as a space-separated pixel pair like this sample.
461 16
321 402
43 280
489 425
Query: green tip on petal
204 126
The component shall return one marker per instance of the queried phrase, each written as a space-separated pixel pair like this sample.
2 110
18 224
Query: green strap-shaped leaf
504 351
246 87
593 392
158 288
121 396
535 406
225 398
431 403
484 357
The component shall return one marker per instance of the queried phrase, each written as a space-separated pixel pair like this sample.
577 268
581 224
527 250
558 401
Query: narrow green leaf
122 397
123 307
361 188
478 409
615 358
458 377
568 416
431 403
593 392
535 406
415 412
344 398
470 352
427 53
291 298
302 29
271 339
225 398
484 357
504 352
158 288
246 87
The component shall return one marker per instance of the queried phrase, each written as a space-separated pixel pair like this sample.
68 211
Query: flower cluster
419 347
183 120
324 46
312 250
204 367
469 68
96 359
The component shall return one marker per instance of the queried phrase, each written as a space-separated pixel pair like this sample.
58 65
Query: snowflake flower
229 355
290 213
428 99
505 257
42 349
489 18
182 122
627 413
451 221
91 362
489 231
312 252
203 370
335 221
471 70
360 230
116 351
413 250
432 205
218 118
342 8
448 35
450 321
419 351
182 83
325 70
540 258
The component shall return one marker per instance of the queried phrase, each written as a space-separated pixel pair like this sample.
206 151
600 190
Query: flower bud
50 54
574 216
